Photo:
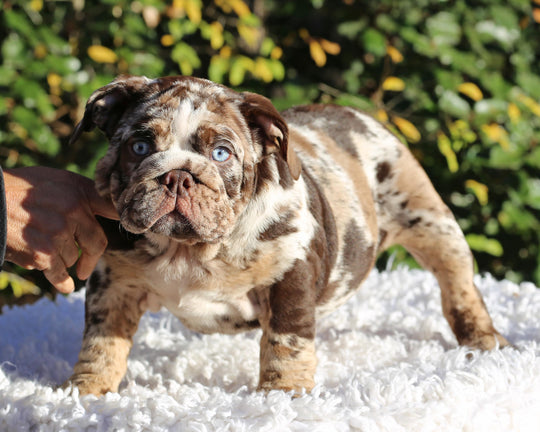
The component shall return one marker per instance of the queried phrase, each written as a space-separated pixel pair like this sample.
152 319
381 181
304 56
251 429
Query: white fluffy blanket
387 362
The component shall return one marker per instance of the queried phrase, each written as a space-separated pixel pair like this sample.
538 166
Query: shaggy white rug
387 362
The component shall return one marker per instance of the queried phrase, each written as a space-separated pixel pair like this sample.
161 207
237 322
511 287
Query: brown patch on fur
279 228
355 171
358 255
324 243
292 302
463 324
383 171
340 122
301 143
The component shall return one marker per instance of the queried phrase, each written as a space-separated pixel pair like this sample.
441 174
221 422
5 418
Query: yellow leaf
54 79
407 129
36 5
471 90
40 51
101 54
394 54
167 40
216 35
382 116
536 15
176 10
225 52
276 53
249 34
393 84
19 286
193 10
445 147
317 53
262 70
480 190
304 34
531 104
240 8
514 112
498 134
330 47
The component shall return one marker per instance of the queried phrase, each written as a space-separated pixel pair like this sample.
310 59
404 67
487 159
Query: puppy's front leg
112 314
288 360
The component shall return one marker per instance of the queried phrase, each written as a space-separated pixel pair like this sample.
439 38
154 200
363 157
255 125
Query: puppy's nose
177 181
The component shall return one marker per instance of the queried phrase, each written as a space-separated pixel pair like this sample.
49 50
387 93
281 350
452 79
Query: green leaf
277 68
419 42
505 159
7 75
530 82
505 16
514 217
18 22
443 29
490 110
530 192
186 57
352 76
374 42
453 104
449 80
351 29
533 159
13 50
481 243
219 66
239 67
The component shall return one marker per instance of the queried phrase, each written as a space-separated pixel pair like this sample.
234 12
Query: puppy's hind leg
426 228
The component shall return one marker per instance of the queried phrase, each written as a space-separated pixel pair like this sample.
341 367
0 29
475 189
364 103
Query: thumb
99 205
102 207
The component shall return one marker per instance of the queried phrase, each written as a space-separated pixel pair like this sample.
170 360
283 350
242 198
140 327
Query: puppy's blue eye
221 154
141 148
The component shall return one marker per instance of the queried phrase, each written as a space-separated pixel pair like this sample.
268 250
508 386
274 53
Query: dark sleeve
3 219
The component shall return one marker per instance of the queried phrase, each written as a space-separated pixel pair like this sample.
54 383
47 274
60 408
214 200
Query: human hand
50 216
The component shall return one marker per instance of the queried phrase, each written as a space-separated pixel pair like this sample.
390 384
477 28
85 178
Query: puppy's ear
270 128
106 105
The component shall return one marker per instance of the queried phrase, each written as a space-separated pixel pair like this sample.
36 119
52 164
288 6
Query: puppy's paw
299 388
487 341
88 384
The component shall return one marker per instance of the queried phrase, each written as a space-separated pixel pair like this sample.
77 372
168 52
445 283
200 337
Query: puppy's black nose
177 181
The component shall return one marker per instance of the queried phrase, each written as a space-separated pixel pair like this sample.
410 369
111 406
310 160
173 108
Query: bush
459 81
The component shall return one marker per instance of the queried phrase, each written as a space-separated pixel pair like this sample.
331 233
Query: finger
69 253
86 265
99 205
103 207
59 277
93 242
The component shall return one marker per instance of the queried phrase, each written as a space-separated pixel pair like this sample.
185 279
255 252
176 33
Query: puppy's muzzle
177 183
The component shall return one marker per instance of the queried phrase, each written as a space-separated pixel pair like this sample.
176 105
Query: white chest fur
211 288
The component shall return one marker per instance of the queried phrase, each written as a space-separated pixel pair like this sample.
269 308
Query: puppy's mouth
178 205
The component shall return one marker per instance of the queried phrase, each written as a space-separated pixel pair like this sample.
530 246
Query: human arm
50 218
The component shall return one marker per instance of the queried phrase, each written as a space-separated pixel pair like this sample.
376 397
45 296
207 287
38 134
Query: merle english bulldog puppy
238 217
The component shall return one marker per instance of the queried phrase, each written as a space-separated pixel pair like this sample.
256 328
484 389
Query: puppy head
183 153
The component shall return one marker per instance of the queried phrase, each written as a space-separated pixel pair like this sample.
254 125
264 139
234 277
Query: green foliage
459 81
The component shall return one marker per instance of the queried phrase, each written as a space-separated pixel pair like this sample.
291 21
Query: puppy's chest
215 297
